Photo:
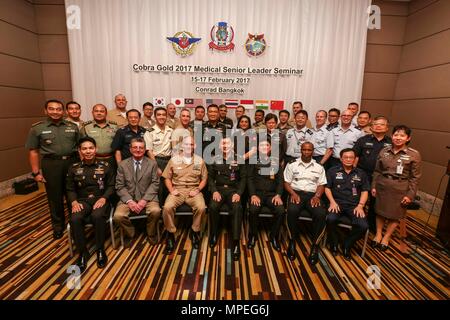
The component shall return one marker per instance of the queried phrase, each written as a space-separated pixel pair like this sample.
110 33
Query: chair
137 217
186 210
89 224
347 224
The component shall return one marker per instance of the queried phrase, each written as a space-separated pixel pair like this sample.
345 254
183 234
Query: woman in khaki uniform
394 183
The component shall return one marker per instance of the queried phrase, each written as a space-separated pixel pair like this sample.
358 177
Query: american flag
214 101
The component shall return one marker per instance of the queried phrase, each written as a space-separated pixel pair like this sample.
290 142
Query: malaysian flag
214 101
231 103
192 103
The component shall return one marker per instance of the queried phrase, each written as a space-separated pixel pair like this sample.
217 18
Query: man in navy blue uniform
347 190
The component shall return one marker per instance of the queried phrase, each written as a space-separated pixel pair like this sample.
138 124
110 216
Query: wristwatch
35 174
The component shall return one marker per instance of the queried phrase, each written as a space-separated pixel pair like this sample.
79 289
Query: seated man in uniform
226 183
89 185
185 177
347 190
137 186
305 181
265 187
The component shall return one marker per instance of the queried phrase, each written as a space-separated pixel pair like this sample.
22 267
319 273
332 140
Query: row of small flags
230 103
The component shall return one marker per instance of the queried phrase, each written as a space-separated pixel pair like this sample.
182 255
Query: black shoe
82 261
334 249
127 241
346 252
384 247
195 237
275 243
102 258
291 250
212 241
374 244
251 241
57 234
170 244
314 255
236 250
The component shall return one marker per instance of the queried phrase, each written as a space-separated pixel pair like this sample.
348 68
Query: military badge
255 45
222 35
183 43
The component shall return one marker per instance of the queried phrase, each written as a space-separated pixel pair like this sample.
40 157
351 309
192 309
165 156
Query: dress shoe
346 252
274 242
236 250
314 255
58 234
212 241
195 237
170 243
82 261
127 241
384 247
374 244
291 250
334 249
251 241
102 258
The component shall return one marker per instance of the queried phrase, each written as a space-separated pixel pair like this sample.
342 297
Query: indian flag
262 104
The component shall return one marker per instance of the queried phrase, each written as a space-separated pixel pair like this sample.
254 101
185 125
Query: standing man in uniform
259 121
284 125
103 131
364 119
73 110
295 137
344 137
354 109
296 107
185 177
146 121
213 131
322 139
265 188
367 149
238 112
305 181
226 182
123 137
119 114
333 118
56 140
137 184
159 145
90 184
347 190
223 110
182 130
172 120
199 116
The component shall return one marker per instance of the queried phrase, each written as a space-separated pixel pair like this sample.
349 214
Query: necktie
137 172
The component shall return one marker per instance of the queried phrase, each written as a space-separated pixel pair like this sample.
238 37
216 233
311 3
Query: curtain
325 38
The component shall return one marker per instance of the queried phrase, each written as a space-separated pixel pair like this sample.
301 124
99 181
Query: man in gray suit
137 185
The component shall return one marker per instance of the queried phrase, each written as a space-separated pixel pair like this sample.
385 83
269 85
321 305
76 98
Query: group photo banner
260 53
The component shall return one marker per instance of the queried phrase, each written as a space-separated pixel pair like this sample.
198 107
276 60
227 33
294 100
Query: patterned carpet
34 266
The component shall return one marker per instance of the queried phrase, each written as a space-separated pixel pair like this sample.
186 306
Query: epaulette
292 160
358 127
76 164
35 124
87 122
329 129
112 122
103 163
309 131
413 150
150 129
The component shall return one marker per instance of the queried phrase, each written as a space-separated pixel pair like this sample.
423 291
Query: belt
55 157
163 158
392 177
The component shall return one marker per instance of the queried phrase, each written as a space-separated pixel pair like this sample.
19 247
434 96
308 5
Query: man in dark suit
137 186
